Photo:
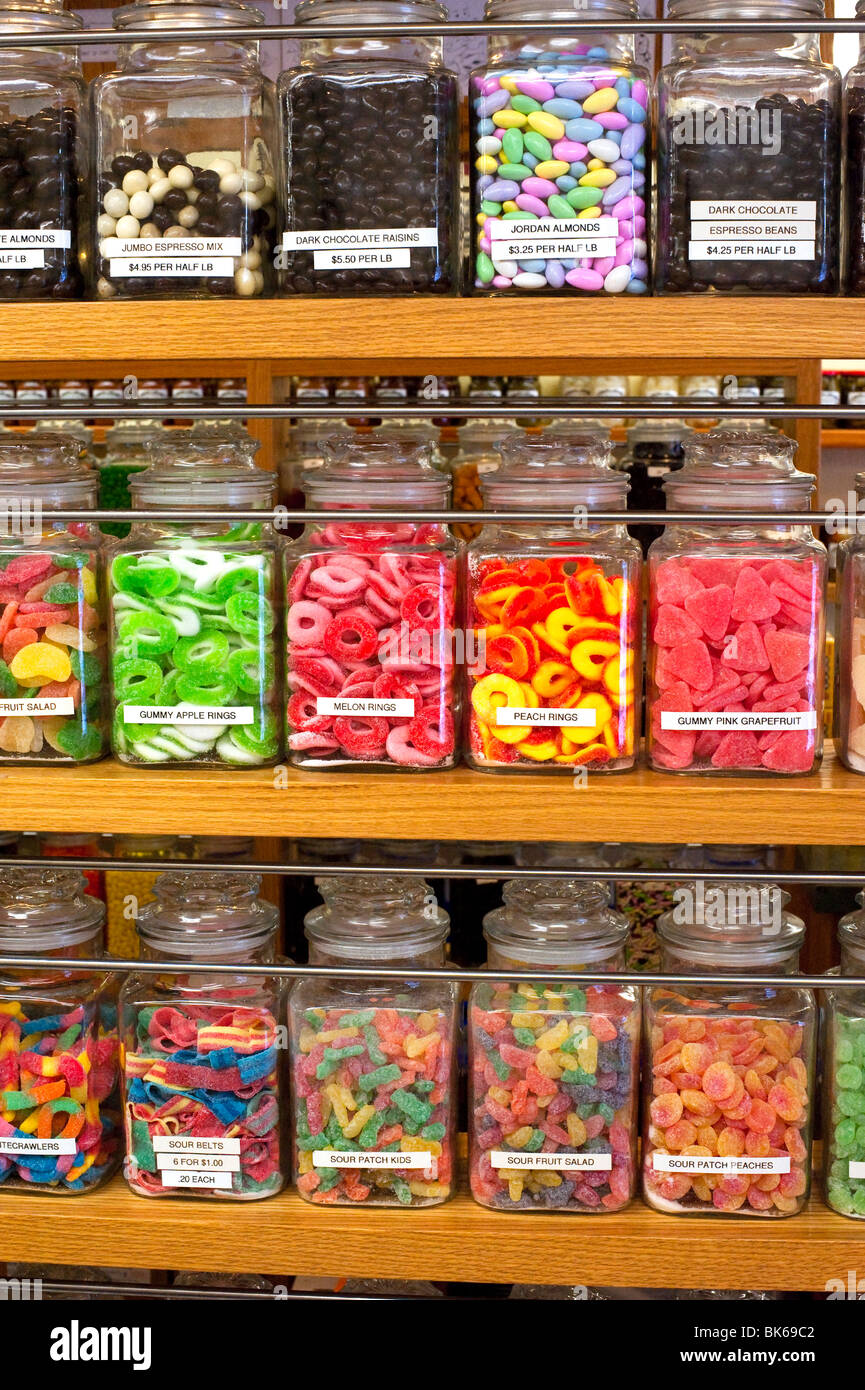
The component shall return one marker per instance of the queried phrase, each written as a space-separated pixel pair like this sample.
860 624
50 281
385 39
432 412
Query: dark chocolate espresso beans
39 190
855 190
371 167
788 160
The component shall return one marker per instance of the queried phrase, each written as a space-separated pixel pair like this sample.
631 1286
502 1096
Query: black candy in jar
856 190
370 149
39 194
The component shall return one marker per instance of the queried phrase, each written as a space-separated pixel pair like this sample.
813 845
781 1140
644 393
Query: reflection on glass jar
749 141
202 1067
373 1061
194 647
58 1038
370 156
850 636
184 190
730 1069
736 616
553 1068
844 1077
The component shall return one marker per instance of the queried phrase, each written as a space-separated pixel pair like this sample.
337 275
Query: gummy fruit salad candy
374 1084
735 636
554 633
553 1073
52 656
370 614
730 1093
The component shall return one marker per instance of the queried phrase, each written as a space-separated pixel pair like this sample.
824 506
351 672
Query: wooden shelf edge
460 804
460 1240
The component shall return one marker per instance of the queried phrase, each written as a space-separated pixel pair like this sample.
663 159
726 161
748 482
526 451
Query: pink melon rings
370 613
736 616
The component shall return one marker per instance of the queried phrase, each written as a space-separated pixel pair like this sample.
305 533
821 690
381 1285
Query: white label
361 239
857 1170
696 1163
372 1158
64 704
341 260
554 239
197 1163
219 267
46 238
170 248
830 398
657 470
22 260
344 705
507 1158
856 398
187 714
192 1144
510 716
716 721
222 1180
9 1144
758 230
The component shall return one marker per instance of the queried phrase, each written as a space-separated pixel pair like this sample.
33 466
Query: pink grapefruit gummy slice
672 626
789 653
711 571
737 749
711 608
753 599
690 662
674 582
746 649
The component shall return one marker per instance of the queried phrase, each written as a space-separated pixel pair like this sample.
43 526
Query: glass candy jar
558 131
194 647
553 1068
370 614
749 156
373 1062
126 445
854 169
370 142
52 626
555 612
728 1107
736 616
844 1077
42 158
850 637
183 201
60 1129
202 1069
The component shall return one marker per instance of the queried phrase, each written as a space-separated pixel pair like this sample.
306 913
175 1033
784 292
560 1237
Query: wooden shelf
284 1235
843 439
456 805
425 333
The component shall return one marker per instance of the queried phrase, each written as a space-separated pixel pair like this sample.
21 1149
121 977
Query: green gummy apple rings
194 626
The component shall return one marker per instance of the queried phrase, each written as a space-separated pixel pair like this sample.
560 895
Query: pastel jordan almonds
486 164
607 150
547 125
513 146
575 91
617 279
598 178
539 188
529 281
612 120
604 99
616 191
640 95
632 109
560 207
584 130
493 103
540 91
540 146
551 168
527 203
525 104
569 150
582 279
488 144
555 274
582 197
501 189
507 120
633 140
565 110
515 172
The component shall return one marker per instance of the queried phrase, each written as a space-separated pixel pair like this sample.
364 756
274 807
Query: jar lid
851 932
377 470
376 917
369 12
745 10
45 908
187 14
556 469
552 10
556 922
48 14
733 923
75 430
48 468
188 471
660 432
123 433
740 469
200 914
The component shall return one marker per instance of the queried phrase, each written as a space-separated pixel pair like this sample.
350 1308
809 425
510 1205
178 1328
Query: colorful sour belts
555 634
52 642
845 1137
554 1082
58 1081
201 1090
193 627
369 658
731 1089
376 1084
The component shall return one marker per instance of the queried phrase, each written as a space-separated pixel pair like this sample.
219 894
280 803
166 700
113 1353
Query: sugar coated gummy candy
375 1084
52 657
193 629
369 619
560 149
553 633
58 1081
844 1140
553 1097
735 664
728 1114
204 1077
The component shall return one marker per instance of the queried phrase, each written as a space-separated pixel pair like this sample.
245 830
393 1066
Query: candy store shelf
461 804
637 1248
843 439
413 336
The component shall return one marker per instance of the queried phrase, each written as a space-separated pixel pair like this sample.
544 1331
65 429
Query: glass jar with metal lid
844 1076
